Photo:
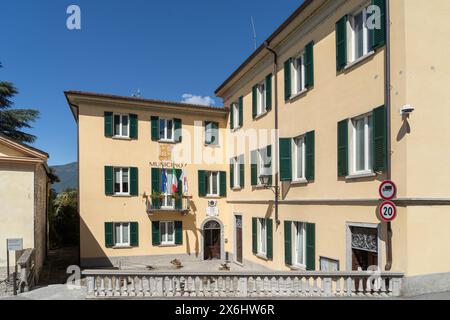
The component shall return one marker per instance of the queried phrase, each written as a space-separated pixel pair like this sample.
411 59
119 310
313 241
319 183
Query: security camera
407 109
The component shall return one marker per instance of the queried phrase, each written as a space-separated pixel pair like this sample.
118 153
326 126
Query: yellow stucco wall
16 206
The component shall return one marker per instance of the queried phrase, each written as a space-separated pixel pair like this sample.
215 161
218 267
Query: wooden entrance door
212 243
238 232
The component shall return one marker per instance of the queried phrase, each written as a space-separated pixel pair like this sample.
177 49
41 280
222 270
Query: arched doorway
212 240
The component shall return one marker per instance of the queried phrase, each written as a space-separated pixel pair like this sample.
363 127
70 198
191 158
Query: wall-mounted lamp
406 110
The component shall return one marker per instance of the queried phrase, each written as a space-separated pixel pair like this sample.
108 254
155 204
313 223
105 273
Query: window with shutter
133 126
134 181
309 155
178 232
177 124
223 183
380 152
310 246
201 183
287 79
268 87
309 65
156 188
108 124
134 234
269 237
341 43
342 148
109 180
156 240
254 235
109 235
285 159
288 243
155 128
378 36
240 111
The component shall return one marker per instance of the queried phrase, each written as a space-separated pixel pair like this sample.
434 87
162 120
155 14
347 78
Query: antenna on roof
254 31
137 94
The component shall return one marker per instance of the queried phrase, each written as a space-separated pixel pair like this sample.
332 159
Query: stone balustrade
119 283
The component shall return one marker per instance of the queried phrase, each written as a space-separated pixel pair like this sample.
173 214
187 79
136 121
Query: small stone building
24 186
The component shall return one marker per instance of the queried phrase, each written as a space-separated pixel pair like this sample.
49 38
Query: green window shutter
254 235
134 181
309 156
179 199
155 128
206 124
285 159
288 243
341 43
223 183
269 230
287 79
134 234
201 183
231 174
268 166
109 124
309 65
133 126
231 117
379 35
178 129
254 101
156 238
342 148
379 137
269 92
241 171
109 181
178 232
156 185
310 247
241 111
109 235
254 168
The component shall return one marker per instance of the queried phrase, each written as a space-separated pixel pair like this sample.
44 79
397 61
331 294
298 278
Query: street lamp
265 180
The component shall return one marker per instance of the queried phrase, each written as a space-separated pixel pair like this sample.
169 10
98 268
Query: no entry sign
388 211
388 190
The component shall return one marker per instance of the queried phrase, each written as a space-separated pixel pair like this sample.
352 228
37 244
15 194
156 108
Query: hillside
68 174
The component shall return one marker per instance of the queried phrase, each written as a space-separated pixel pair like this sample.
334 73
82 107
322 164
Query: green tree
63 218
12 121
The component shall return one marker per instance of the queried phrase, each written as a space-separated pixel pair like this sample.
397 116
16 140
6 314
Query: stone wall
40 215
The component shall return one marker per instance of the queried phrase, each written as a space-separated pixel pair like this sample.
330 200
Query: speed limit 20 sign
388 211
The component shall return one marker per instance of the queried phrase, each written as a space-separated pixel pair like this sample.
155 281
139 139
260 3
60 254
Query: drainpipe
387 93
275 158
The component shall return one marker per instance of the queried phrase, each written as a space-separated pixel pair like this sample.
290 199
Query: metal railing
119 283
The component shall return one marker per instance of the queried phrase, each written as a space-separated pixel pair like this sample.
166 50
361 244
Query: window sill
262 256
359 60
360 175
121 196
121 138
297 268
259 116
236 188
168 245
211 145
298 95
213 197
122 247
235 129
167 141
299 182
259 187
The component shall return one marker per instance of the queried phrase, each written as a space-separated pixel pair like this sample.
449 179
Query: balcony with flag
169 191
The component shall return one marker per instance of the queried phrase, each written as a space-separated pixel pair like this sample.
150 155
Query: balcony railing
118 283
168 203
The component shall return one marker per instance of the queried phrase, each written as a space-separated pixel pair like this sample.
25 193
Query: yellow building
339 101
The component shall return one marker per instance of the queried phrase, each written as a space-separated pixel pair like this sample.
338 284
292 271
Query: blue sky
164 48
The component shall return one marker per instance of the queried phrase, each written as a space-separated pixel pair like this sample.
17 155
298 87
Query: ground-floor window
121 234
167 230
364 247
262 236
299 241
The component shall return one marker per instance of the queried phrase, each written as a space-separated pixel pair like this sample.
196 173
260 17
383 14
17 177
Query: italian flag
174 181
